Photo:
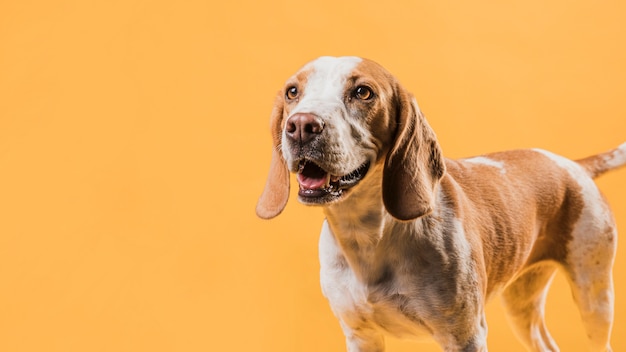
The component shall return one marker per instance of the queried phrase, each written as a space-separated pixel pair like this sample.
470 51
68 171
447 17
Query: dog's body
414 244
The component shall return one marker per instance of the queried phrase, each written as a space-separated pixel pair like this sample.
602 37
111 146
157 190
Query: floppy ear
276 192
414 164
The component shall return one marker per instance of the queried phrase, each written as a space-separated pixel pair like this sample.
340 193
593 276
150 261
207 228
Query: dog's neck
359 223
359 219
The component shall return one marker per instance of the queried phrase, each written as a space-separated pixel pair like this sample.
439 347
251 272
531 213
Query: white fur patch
323 93
575 170
488 162
617 158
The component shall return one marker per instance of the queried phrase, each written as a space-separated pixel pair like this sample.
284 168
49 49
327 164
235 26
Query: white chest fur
362 303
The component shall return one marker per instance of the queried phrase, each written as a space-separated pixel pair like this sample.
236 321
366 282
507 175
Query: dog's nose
302 127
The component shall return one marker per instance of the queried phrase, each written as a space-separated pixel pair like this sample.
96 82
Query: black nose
303 127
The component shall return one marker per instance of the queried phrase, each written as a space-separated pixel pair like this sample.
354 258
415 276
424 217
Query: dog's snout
302 127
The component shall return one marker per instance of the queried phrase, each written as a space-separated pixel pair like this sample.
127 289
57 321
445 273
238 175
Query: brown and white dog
415 244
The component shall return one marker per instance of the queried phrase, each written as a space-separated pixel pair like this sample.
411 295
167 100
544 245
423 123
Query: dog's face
335 123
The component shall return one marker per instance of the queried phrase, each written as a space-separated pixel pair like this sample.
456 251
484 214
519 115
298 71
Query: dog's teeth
335 178
328 178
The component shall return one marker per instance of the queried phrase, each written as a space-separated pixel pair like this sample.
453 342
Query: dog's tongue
312 177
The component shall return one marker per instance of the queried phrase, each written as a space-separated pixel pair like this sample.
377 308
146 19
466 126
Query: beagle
415 244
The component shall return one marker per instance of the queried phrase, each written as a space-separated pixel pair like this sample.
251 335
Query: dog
415 244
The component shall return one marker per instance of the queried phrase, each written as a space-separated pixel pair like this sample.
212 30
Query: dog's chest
379 305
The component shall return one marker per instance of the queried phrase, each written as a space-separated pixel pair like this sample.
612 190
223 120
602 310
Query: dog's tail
598 164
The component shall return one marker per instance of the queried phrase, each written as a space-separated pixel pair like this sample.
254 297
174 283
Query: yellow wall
134 143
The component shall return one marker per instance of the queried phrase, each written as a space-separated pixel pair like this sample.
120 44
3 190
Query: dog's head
334 122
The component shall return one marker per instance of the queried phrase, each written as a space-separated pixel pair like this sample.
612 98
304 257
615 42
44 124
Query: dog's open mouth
319 186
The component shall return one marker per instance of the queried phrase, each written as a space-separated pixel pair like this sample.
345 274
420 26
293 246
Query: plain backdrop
134 143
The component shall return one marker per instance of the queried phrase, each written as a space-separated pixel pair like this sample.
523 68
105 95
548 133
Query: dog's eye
363 93
292 93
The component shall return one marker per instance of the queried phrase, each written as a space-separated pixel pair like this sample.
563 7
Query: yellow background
134 143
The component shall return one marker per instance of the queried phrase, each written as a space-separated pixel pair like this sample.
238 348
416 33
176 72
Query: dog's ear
276 192
414 164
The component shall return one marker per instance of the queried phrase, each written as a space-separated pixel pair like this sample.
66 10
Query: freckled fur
422 242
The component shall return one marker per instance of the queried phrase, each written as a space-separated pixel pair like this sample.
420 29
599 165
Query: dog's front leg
478 345
363 340
465 338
